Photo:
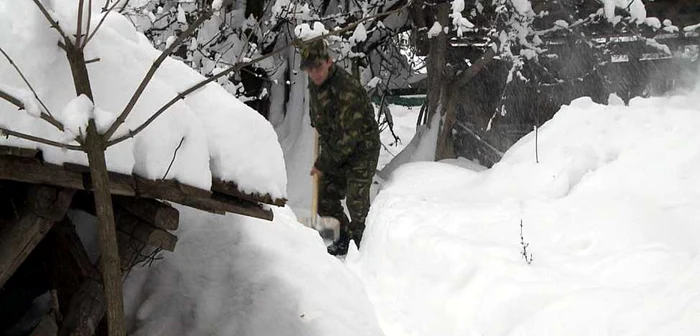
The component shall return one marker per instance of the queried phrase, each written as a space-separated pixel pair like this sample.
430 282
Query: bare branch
233 68
53 22
12 99
5 131
89 21
79 31
102 20
17 102
149 75
50 118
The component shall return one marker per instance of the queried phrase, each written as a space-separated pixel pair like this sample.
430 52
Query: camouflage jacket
342 113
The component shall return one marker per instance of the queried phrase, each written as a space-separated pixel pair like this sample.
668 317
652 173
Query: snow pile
233 275
609 212
216 134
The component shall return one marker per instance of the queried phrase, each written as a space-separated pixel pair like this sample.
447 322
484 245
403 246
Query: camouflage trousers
353 183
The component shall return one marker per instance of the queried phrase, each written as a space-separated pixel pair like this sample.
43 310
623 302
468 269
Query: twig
50 118
102 20
126 3
149 75
53 22
173 160
537 154
528 259
5 131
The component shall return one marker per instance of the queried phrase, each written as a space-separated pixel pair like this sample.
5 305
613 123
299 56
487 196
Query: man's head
316 61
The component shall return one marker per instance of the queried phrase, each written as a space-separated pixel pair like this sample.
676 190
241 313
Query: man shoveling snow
342 113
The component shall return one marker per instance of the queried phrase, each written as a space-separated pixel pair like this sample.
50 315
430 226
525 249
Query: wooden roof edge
231 189
31 169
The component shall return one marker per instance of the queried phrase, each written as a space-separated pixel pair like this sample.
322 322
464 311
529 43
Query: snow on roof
217 135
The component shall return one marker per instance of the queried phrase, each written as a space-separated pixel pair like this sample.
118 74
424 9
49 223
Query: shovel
325 225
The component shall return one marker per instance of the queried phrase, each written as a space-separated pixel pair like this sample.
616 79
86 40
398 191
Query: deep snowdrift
610 214
234 275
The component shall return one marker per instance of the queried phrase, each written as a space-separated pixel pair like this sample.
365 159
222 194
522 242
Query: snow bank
242 145
233 275
609 212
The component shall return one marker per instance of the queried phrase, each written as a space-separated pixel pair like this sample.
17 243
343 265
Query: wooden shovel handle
314 185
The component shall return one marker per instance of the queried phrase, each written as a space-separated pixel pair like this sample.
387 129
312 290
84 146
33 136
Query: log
138 229
158 214
21 237
32 170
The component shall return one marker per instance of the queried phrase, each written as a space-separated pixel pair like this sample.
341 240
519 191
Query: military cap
313 54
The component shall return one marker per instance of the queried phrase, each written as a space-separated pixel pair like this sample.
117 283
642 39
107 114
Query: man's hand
315 171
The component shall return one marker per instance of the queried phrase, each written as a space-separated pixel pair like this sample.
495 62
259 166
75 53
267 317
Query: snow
216 4
217 135
359 35
636 9
691 28
75 116
306 32
653 22
609 214
435 30
233 275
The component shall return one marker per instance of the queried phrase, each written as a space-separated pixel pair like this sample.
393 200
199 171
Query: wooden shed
42 255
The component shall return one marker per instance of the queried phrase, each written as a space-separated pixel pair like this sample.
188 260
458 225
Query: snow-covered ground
610 214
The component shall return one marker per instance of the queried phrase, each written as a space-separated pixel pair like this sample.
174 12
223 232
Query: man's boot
340 246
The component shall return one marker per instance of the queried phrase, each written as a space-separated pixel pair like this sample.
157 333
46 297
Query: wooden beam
137 228
19 238
86 309
158 214
18 151
231 189
32 170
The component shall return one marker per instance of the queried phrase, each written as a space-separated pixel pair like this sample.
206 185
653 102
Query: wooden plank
138 229
231 189
31 170
18 239
230 204
158 214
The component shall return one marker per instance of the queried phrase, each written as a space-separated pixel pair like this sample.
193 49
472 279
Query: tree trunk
109 258
95 147
436 62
